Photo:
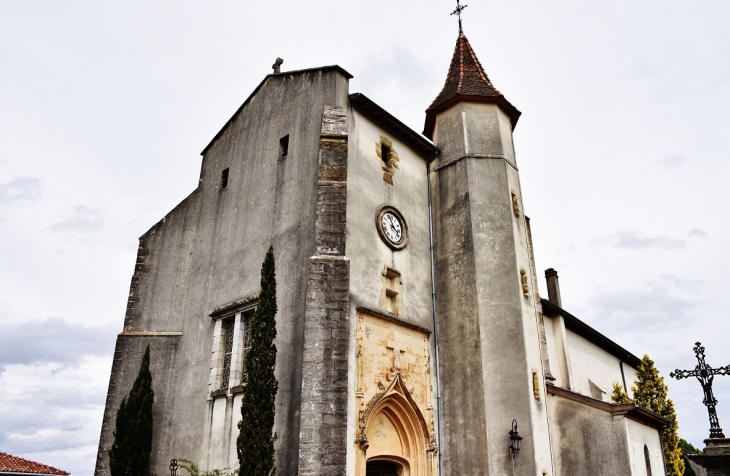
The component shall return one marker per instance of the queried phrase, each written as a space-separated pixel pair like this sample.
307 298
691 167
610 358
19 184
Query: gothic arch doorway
395 440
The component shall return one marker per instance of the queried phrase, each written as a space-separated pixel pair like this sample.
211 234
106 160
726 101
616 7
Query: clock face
392 227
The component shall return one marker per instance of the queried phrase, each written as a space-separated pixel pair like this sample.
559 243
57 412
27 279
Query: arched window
647 460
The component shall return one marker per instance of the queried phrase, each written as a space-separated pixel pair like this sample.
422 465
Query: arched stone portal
395 427
393 430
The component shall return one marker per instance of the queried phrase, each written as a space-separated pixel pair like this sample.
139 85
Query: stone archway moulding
393 428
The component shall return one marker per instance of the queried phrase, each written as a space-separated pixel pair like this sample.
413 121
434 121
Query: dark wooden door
381 468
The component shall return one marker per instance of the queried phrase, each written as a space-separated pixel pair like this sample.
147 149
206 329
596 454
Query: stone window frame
391 293
388 164
235 316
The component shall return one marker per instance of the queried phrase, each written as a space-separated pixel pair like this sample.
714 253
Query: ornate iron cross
457 11
705 374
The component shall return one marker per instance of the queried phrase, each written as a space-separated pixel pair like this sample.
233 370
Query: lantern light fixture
515 439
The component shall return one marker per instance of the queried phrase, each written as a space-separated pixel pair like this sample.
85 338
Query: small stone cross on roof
397 349
277 65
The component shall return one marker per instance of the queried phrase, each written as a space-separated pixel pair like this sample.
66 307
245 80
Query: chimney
553 287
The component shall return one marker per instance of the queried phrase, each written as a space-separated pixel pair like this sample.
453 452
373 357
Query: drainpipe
623 377
435 321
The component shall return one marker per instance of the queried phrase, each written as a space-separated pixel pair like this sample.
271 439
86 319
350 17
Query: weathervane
457 11
705 374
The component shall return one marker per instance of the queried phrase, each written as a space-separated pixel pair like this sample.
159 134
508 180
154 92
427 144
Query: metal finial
457 11
277 65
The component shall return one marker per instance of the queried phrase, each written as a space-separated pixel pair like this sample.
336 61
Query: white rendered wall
640 435
368 254
590 362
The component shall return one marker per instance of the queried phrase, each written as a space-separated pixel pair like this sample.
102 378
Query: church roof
10 464
466 81
574 324
368 107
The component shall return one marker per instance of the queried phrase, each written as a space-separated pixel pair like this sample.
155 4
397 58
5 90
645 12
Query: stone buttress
323 427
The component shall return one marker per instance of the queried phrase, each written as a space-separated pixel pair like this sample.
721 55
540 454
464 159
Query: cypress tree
255 443
650 392
618 395
130 453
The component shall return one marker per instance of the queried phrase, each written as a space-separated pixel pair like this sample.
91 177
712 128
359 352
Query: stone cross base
717 446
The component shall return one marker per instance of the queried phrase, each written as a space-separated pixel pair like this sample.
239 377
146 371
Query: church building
411 337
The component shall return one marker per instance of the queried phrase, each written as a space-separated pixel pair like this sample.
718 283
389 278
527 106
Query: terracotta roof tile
466 80
10 463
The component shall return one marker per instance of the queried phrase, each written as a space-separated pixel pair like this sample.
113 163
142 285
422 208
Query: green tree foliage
686 445
650 392
255 444
618 395
130 453
193 469
688 469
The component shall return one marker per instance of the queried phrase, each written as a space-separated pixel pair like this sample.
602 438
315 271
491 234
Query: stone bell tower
490 357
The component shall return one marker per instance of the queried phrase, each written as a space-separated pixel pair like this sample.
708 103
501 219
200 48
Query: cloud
53 341
667 280
20 189
698 233
672 161
54 417
83 220
632 240
653 308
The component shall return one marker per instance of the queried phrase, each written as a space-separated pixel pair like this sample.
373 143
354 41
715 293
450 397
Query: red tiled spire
466 81
13 464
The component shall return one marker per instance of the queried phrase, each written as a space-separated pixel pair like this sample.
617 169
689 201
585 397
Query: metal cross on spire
459 8
705 374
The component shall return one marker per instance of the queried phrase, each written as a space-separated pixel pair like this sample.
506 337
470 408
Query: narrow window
523 282
246 324
515 205
284 146
228 327
391 293
384 152
647 460
224 178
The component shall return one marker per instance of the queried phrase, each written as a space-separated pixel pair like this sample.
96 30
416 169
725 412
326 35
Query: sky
622 147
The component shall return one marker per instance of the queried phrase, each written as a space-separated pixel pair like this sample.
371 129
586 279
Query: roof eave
632 411
512 112
369 108
574 324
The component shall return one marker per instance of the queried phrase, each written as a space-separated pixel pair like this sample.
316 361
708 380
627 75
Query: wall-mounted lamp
515 439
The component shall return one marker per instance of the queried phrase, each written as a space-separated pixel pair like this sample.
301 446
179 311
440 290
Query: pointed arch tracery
393 428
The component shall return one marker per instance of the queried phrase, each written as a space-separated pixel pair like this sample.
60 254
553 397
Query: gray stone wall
463 416
587 440
489 343
208 251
